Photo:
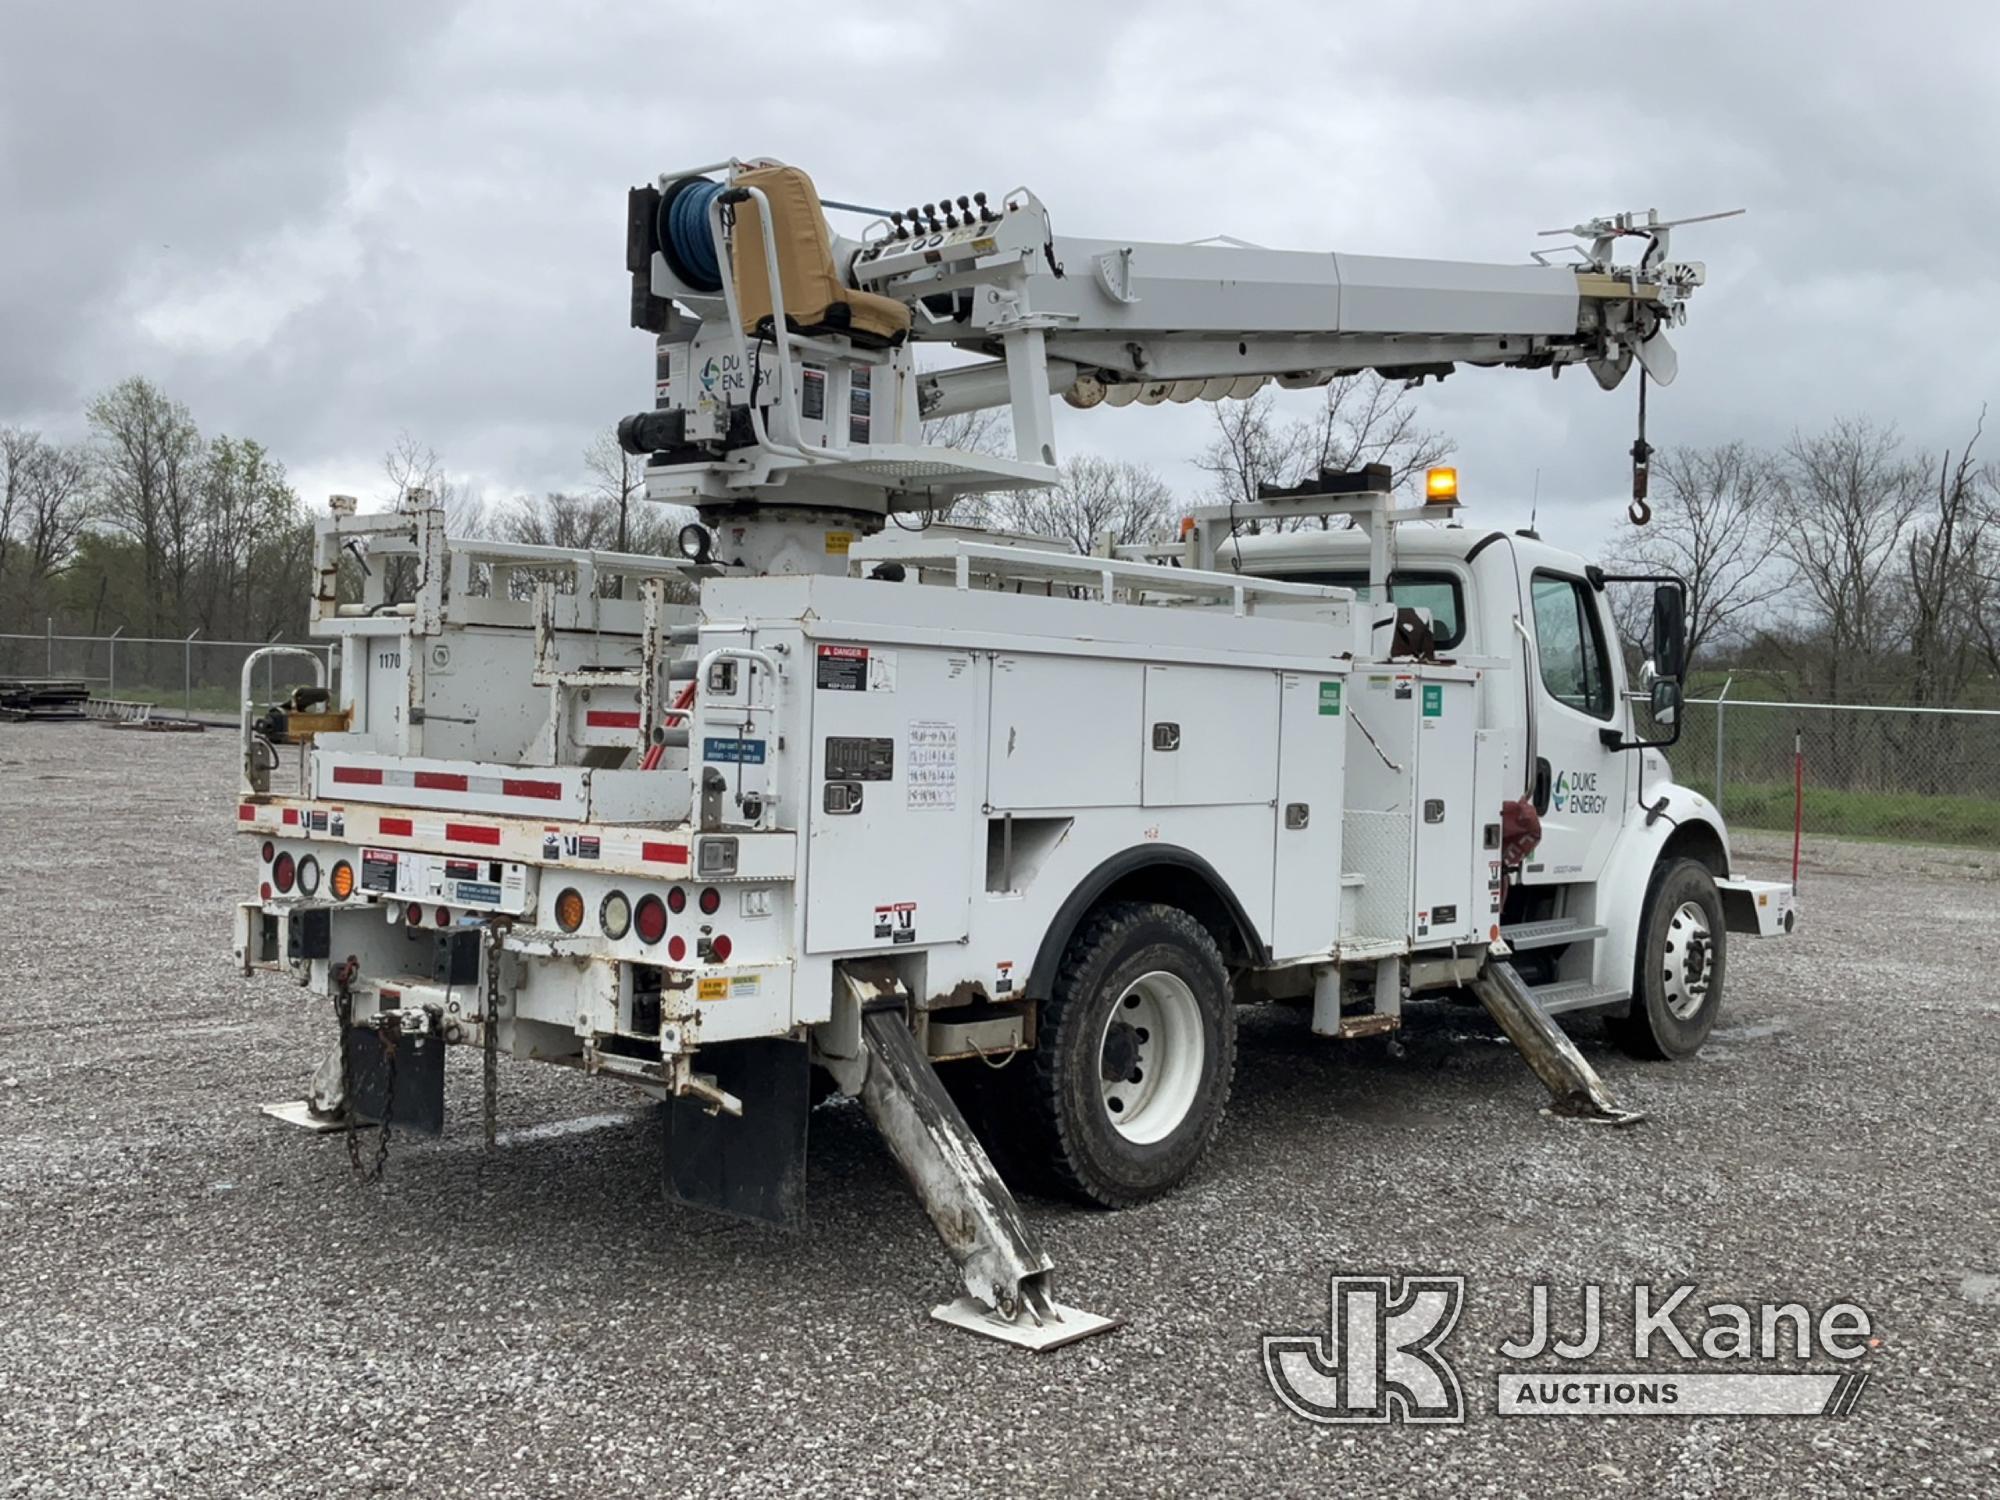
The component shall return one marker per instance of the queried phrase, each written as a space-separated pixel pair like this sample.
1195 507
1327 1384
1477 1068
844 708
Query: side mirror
1669 632
1666 700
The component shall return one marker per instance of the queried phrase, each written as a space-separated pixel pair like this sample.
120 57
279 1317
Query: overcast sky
320 227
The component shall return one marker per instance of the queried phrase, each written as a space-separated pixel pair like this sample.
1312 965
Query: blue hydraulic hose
684 234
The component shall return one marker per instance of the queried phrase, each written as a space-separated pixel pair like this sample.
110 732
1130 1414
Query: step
1576 994
1550 934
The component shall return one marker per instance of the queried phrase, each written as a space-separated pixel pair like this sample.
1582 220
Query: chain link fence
1905 775
193 677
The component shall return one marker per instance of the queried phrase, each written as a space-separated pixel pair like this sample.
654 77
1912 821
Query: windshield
1414 589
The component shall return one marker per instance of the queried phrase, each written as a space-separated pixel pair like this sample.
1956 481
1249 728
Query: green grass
1898 817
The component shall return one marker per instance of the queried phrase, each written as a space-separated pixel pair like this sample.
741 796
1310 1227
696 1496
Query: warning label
843 669
897 922
711 989
378 870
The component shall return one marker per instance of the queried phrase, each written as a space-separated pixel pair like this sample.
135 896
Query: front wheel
1135 1055
1677 979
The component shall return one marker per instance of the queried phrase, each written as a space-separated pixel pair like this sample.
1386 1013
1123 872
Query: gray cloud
320 232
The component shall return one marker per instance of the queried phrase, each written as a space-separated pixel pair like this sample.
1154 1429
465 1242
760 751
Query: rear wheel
1677 979
1134 1056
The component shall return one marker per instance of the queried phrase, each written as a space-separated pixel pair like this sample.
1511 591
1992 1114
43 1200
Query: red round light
444 916
711 900
650 919
283 871
677 947
264 891
721 948
677 900
269 849
414 914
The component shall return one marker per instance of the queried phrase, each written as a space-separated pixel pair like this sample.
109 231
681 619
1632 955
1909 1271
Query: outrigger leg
1008 1277
1573 1084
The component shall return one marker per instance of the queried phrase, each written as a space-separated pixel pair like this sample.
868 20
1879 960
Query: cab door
1580 785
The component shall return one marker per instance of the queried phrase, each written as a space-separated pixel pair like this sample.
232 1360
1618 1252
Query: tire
1142 993
1677 978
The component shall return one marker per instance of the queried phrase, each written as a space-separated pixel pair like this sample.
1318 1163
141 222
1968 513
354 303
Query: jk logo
1379 1360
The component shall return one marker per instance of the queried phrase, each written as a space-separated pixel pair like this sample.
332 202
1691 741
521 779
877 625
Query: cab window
1436 592
1570 644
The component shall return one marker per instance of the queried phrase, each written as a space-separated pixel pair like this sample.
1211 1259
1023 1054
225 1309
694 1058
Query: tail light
413 914
569 909
615 915
269 850
650 918
283 873
444 916
342 881
308 876
677 948
677 899
711 900
721 947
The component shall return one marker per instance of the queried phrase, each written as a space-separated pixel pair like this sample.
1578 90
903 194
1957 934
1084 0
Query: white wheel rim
1690 961
1150 1057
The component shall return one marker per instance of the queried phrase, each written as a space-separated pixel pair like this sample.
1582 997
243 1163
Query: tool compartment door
1447 832
1312 756
895 791
1211 736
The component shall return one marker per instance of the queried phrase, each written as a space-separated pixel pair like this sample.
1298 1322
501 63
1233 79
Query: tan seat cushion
815 299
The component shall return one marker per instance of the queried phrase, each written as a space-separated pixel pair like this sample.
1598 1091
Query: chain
489 1039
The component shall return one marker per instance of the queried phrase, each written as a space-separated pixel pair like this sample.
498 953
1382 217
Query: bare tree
17 448
617 477
1846 501
1943 559
1712 528
1368 420
1364 419
412 465
1093 496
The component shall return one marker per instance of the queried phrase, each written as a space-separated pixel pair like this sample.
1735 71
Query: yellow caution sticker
838 542
711 989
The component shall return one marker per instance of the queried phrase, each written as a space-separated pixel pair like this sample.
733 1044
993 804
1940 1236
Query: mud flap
399 1078
754 1165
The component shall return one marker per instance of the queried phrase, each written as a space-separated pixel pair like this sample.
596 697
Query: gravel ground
199 1301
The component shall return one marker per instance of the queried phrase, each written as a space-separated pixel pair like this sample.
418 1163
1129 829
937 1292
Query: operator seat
816 301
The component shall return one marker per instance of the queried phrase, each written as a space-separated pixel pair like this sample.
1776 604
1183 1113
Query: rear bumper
1760 908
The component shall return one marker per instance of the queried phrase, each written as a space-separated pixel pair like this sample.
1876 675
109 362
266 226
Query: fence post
111 672
1727 684
187 674
52 647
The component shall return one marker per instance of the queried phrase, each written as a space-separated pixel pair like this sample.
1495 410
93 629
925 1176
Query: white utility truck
992 837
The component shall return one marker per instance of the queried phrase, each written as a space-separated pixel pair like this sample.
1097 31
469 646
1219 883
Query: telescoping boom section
989 837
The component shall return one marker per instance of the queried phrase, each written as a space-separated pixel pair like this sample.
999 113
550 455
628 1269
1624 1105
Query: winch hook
1642 458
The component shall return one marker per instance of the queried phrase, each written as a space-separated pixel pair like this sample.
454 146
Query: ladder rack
1107 575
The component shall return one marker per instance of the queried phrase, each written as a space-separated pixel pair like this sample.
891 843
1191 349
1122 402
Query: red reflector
291 815
398 828
671 854
270 851
264 891
711 900
439 781
358 775
282 871
444 917
649 919
605 718
471 833
721 947
677 899
677 948
414 915
245 811
547 791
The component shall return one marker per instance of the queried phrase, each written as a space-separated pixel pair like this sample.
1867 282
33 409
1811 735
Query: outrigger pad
754 1165
400 1080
